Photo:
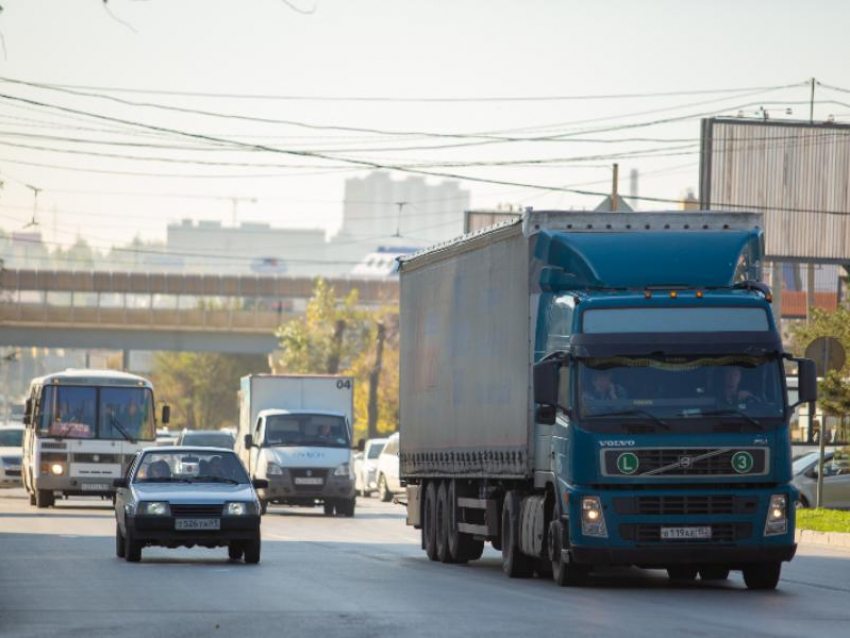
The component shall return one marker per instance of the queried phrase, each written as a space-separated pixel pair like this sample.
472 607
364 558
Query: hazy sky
380 48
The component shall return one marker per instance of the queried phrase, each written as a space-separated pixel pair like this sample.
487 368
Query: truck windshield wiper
632 411
114 422
733 412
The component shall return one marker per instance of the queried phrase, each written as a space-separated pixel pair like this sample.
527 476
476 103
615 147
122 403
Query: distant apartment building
210 247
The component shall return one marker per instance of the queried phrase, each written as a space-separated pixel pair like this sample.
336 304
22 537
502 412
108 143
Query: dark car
182 497
206 438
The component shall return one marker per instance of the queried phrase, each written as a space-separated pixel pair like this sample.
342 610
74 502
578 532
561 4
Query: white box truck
295 432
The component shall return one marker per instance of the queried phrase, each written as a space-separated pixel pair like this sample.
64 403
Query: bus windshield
84 412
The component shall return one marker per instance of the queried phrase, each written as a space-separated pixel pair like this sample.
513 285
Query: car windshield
664 389
306 430
192 466
84 412
802 464
208 439
11 438
375 450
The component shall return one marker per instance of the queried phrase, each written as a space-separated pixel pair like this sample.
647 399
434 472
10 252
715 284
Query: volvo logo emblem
685 462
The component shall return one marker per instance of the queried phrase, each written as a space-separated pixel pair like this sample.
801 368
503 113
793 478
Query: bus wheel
44 499
32 498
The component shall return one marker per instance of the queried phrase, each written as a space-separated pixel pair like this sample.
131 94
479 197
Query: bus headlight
57 469
592 518
777 515
154 508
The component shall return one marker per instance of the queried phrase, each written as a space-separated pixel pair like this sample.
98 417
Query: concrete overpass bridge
161 311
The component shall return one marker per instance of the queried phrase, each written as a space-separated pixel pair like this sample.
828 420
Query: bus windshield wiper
633 411
733 412
114 422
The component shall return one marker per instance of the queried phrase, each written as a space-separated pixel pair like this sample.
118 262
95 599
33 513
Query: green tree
834 389
202 388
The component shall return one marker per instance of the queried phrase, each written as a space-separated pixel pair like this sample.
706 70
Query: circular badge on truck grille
627 463
742 462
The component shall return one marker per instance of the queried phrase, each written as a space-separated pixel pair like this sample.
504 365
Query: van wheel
32 498
264 507
44 499
120 547
429 526
514 563
347 508
329 508
383 490
763 575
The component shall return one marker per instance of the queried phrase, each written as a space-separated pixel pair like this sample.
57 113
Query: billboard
796 173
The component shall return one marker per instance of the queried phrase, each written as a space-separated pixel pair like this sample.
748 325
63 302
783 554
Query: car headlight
238 509
154 508
57 469
592 518
273 469
777 515
342 470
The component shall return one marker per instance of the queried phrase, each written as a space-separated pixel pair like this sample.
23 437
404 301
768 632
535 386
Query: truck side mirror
119 483
28 412
807 378
166 414
249 441
546 381
361 445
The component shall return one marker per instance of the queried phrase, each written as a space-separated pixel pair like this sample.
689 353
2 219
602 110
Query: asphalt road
365 577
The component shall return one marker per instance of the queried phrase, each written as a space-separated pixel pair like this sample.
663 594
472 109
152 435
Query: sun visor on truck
634 344
691 259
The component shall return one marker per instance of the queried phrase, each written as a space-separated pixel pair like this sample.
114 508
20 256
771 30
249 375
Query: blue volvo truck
591 389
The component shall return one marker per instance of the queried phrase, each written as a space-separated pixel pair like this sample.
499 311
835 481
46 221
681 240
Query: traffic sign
827 353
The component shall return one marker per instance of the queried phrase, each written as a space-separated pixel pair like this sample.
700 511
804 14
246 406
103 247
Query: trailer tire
515 564
762 575
429 516
44 499
462 547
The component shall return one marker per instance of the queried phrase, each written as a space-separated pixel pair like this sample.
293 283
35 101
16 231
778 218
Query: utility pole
615 186
812 103
235 201
401 206
35 192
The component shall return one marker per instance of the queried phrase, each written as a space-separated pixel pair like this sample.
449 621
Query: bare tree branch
298 9
116 18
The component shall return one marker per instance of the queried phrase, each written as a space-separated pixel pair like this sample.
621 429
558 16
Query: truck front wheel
762 575
514 563
564 574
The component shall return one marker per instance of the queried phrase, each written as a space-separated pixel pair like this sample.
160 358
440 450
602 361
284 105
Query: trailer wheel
514 563
463 547
429 519
441 525
762 575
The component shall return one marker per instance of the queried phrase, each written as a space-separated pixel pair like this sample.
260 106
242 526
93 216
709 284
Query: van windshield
305 430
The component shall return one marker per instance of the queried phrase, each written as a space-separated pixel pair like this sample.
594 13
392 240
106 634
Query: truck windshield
305 430
84 412
735 388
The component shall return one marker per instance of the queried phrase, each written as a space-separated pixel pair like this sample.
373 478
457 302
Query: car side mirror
260 484
166 414
361 445
249 441
119 483
807 381
546 381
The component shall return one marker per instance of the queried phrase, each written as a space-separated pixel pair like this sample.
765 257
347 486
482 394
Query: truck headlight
342 470
777 515
238 509
273 469
592 518
154 508
57 469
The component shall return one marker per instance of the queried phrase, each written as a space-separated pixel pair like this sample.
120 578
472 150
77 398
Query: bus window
126 413
70 412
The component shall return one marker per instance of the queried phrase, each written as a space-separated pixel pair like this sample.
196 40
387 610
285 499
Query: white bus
83 427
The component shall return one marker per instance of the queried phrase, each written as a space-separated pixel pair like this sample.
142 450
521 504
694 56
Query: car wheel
682 573
132 548
329 508
801 503
714 572
252 551
120 547
429 516
348 510
32 498
44 499
515 564
762 576
383 490
235 551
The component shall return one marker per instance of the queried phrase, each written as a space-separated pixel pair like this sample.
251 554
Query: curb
838 540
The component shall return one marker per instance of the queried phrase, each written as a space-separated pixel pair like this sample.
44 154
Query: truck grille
196 511
720 533
664 462
679 505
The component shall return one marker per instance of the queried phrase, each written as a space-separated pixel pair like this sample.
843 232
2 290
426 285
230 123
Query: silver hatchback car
836 479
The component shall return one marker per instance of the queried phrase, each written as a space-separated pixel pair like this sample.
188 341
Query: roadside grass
823 520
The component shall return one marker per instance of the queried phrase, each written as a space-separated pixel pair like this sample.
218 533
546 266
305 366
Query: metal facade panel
465 361
796 172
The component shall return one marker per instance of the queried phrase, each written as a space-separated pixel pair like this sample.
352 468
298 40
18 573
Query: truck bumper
662 557
282 489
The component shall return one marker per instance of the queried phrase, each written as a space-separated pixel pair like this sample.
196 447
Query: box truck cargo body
566 395
295 432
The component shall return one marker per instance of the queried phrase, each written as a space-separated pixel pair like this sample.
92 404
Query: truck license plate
197 523
685 533
94 487
305 480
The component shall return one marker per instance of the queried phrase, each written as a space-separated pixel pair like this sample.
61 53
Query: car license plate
685 533
95 487
306 480
197 523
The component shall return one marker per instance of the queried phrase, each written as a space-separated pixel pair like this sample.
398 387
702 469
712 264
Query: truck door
254 452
